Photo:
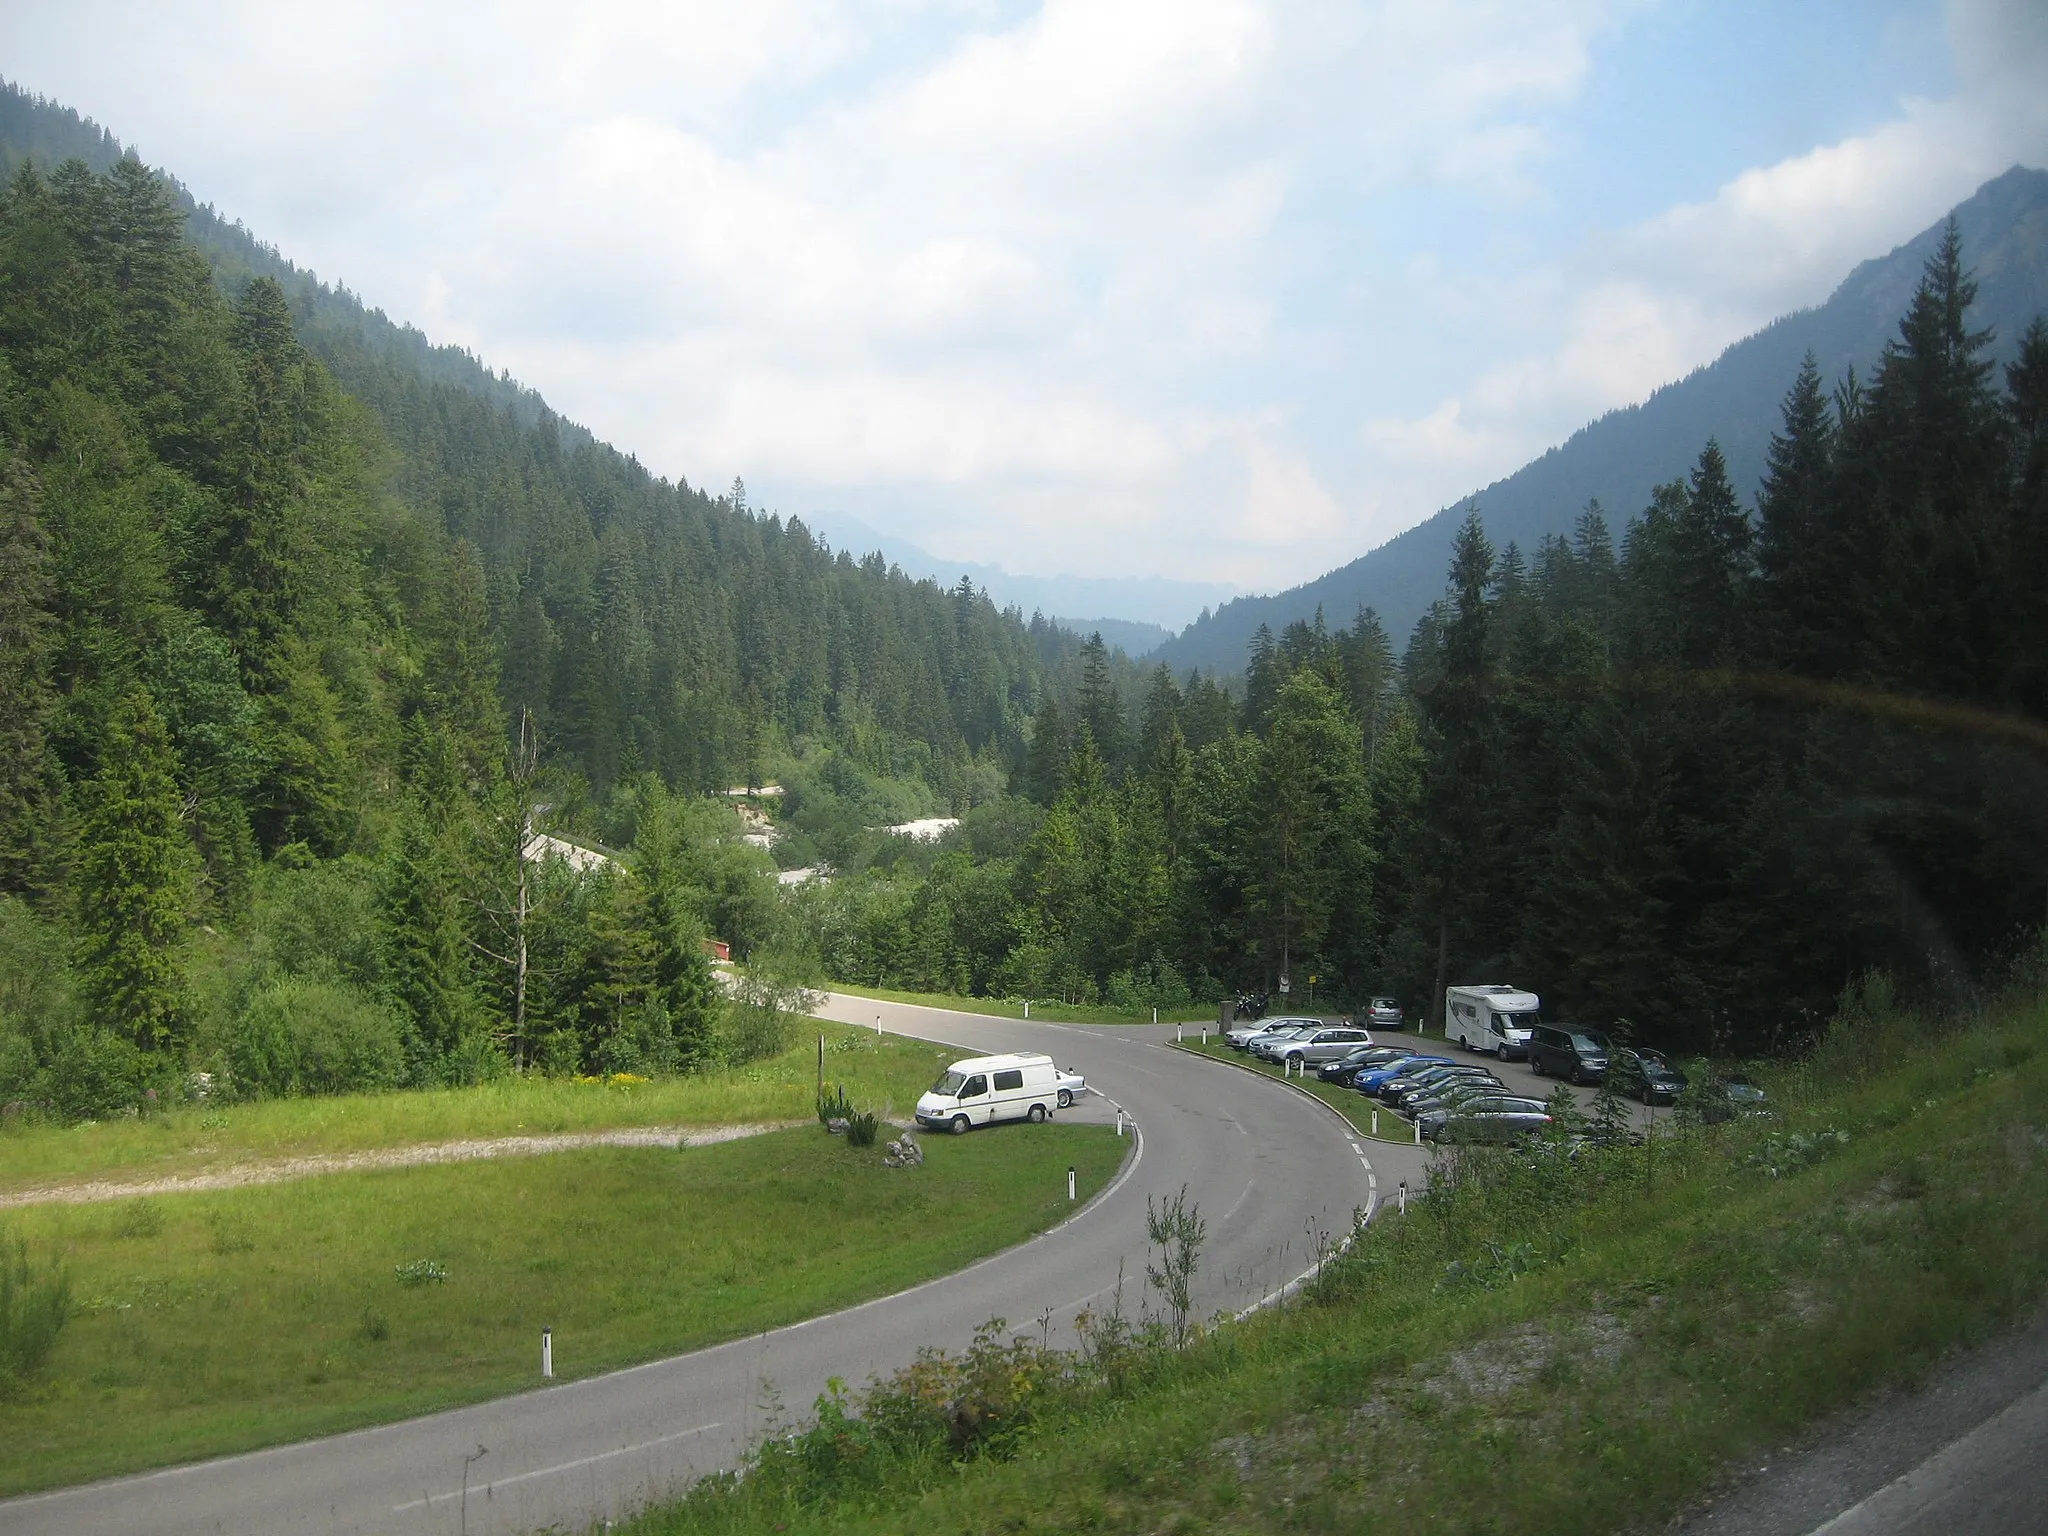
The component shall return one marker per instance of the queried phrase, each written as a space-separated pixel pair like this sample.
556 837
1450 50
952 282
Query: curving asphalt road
1275 1174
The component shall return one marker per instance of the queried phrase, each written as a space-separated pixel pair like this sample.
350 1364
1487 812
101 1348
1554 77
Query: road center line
566 1466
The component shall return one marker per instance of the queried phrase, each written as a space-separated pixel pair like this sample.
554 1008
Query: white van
984 1089
1493 1019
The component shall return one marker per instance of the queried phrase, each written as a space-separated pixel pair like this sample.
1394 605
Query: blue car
1368 1083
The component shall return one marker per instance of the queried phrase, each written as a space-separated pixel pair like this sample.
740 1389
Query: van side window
1010 1079
974 1087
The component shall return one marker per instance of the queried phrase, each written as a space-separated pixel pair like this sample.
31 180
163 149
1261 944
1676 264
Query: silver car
1269 1044
1385 1012
1317 1046
1071 1085
1243 1035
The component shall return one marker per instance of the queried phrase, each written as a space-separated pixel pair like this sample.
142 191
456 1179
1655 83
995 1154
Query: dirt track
478 1149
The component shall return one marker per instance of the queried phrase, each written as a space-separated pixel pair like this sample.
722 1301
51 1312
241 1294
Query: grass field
217 1322
886 1074
1543 1345
1013 1008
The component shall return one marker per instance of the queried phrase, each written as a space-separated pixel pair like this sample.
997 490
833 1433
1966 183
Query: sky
1223 290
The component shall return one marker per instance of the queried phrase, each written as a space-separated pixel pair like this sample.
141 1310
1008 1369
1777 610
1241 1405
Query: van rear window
1010 1079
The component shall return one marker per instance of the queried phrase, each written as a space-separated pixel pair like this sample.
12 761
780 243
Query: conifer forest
304 642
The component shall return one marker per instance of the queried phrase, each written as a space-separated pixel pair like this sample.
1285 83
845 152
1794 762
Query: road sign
1283 983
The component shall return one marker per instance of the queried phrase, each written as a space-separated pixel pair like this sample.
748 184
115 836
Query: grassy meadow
1543 1345
885 1074
215 1322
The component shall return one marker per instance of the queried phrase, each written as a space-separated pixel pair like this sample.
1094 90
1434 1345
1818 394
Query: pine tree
133 882
28 772
425 956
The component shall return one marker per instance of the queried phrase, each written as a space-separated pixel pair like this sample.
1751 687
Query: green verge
1543 1345
887 1074
1013 1008
211 1323
1353 1106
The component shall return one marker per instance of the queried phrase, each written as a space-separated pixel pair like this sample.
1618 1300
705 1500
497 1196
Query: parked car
1486 1119
1428 1076
1344 1068
1383 1013
1403 1092
1567 1051
1267 1046
1241 1036
1072 1085
1369 1082
1644 1074
1724 1095
1452 1094
1320 1045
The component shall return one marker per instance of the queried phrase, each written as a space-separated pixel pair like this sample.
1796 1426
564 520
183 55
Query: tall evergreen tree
134 882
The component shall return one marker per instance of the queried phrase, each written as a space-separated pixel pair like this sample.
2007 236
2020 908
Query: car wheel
1649 1099
1038 1114
1503 1053
1536 1065
1066 1098
959 1125
1576 1079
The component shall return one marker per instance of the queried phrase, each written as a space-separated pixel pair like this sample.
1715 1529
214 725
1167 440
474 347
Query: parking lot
1517 1078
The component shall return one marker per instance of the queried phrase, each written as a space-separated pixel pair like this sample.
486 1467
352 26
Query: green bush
861 1128
35 1303
300 1036
94 1073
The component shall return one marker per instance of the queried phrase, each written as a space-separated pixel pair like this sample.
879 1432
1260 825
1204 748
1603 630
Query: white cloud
1105 284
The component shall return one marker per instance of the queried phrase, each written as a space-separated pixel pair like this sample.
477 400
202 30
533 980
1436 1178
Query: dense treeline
290 653
1696 783
300 649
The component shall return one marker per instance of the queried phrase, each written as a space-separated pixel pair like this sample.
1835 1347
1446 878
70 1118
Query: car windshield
1591 1041
1527 1020
949 1084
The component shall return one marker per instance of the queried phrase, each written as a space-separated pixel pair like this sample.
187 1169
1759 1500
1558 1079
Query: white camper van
984 1089
1493 1019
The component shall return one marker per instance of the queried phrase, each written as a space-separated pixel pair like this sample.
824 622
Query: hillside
1622 456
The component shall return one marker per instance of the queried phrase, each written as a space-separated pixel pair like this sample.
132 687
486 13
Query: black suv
1564 1050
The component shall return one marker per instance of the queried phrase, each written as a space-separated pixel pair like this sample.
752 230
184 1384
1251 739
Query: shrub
35 1303
301 1036
94 1073
861 1128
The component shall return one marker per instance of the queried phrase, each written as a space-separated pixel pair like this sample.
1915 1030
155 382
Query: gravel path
478 1149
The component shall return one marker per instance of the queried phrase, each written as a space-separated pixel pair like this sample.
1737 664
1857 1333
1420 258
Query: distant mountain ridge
1626 453
1147 602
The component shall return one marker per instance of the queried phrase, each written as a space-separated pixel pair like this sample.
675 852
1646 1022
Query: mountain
1148 601
1620 457
1135 638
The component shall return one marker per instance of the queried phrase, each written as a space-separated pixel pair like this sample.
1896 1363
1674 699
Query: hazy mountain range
1620 457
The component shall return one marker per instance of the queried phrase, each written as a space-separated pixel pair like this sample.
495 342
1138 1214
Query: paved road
1273 1173
1964 1454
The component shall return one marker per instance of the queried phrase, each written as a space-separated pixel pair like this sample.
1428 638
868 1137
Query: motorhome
983 1089
1491 1018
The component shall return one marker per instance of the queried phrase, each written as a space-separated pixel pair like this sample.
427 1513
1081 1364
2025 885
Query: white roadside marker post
1418 1130
1404 1197
1070 1182
1375 1122
547 1354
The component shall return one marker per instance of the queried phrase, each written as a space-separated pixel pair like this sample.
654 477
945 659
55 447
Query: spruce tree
133 882
28 772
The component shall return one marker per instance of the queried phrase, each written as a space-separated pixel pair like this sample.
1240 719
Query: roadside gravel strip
481 1149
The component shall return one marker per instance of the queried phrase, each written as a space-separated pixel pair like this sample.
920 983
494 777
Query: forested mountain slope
1622 456
643 624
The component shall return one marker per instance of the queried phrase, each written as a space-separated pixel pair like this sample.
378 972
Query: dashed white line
566 1466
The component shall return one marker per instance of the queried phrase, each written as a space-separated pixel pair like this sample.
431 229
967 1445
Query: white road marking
566 1466
1235 1204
